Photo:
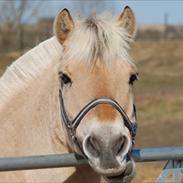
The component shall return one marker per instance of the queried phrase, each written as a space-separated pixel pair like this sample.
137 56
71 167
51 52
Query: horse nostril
120 145
92 146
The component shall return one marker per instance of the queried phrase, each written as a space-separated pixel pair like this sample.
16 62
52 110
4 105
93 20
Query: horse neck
32 119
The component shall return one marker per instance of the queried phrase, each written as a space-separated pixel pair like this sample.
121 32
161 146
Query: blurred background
157 51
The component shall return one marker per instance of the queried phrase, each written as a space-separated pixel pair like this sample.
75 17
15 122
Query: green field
159 97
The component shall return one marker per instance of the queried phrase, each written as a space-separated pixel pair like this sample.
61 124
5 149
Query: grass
159 98
159 95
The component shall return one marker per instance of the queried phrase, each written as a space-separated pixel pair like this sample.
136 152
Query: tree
15 13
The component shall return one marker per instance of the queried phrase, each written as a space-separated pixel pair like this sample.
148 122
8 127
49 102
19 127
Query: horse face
102 133
105 139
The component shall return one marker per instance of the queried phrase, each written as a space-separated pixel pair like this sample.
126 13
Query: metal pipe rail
67 160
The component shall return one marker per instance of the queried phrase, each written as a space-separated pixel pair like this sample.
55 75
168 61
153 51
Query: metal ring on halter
72 125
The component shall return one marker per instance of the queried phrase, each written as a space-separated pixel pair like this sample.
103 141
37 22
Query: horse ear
63 25
127 20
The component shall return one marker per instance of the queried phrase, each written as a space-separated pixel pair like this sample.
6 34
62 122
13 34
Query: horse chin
126 176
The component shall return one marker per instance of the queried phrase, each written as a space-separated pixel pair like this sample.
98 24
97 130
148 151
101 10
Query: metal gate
173 156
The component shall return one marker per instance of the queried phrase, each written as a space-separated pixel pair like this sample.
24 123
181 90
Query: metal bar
67 160
158 154
167 171
41 162
173 169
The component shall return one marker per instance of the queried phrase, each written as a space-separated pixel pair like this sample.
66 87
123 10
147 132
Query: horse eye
65 79
133 78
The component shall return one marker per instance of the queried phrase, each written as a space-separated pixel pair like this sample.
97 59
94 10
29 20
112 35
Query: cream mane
28 67
95 37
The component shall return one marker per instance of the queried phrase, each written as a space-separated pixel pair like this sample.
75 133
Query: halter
71 125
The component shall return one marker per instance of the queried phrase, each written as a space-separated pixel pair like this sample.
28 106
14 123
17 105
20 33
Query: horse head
96 90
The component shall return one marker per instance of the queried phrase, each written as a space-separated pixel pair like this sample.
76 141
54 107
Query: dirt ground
159 98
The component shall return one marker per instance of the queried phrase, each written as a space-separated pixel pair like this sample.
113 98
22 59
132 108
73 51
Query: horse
73 93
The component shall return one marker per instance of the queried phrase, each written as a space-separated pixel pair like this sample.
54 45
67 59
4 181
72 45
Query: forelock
97 38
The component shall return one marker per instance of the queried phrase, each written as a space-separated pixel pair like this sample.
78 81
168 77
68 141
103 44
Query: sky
146 11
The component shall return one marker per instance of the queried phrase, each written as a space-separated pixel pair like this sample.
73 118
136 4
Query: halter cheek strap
71 125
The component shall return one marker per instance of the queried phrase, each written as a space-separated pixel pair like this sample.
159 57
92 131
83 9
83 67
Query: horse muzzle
108 152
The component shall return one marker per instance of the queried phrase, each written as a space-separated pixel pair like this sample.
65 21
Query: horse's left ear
127 20
63 25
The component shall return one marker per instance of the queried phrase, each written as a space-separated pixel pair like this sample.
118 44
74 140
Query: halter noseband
71 125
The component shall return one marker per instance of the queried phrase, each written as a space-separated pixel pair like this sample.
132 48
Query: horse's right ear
63 25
